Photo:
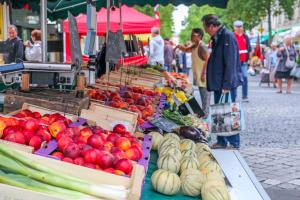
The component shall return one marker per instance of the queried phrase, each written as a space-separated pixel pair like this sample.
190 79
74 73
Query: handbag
226 119
295 72
289 64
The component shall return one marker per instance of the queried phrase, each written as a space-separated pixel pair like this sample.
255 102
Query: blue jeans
234 140
244 69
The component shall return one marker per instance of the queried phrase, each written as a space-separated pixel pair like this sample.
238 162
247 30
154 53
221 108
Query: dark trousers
234 140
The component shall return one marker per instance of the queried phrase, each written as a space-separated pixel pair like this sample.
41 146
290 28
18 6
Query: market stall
140 136
133 22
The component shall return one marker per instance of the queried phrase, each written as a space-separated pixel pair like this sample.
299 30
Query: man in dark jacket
244 51
223 68
16 50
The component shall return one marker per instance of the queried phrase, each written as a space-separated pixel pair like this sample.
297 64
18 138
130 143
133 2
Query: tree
193 20
166 18
253 11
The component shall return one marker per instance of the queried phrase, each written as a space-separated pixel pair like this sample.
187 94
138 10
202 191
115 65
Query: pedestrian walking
199 55
168 54
271 62
244 45
287 60
156 56
223 69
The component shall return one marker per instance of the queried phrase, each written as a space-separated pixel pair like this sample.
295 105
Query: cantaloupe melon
173 136
168 142
188 163
214 190
191 182
189 153
165 182
210 166
171 150
187 144
156 139
168 162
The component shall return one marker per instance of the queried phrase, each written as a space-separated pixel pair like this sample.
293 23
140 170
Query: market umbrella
58 8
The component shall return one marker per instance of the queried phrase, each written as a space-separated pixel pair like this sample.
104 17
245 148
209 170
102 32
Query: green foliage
193 20
251 12
166 18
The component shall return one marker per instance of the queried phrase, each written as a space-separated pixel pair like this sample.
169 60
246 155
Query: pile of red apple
30 128
131 101
93 147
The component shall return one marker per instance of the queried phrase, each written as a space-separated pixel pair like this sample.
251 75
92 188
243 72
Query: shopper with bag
223 69
287 61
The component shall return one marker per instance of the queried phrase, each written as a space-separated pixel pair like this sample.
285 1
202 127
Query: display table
148 193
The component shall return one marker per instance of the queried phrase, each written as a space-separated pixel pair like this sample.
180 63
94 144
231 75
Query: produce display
200 174
92 147
15 170
135 99
31 128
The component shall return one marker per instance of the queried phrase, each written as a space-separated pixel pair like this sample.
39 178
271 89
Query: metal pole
107 31
121 16
43 21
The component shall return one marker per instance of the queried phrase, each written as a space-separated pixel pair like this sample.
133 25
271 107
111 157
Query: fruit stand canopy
134 22
58 8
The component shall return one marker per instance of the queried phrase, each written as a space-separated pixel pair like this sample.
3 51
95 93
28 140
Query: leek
97 190
30 184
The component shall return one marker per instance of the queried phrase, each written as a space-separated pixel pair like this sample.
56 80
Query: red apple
69 160
36 115
79 161
118 154
31 124
90 156
2 127
58 155
10 129
36 142
63 142
108 146
16 137
119 128
123 143
110 170
133 154
119 172
44 134
57 127
60 134
73 132
112 137
95 141
89 165
28 135
124 165
97 129
72 150
85 133
83 148
105 159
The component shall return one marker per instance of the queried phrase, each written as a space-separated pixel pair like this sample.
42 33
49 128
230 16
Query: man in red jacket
244 50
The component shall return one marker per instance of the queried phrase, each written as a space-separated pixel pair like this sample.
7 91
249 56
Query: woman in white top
33 52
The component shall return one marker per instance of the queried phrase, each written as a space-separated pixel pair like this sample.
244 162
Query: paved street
271 144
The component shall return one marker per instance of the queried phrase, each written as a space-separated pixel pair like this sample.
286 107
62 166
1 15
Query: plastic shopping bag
226 119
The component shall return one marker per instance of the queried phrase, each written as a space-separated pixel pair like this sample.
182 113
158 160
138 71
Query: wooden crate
105 87
133 184
43 111
50 99
107 117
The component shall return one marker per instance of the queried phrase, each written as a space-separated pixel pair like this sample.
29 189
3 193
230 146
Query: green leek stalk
97 190
30 184
15 155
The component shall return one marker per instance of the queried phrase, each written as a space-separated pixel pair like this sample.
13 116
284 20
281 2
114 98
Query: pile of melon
186 167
